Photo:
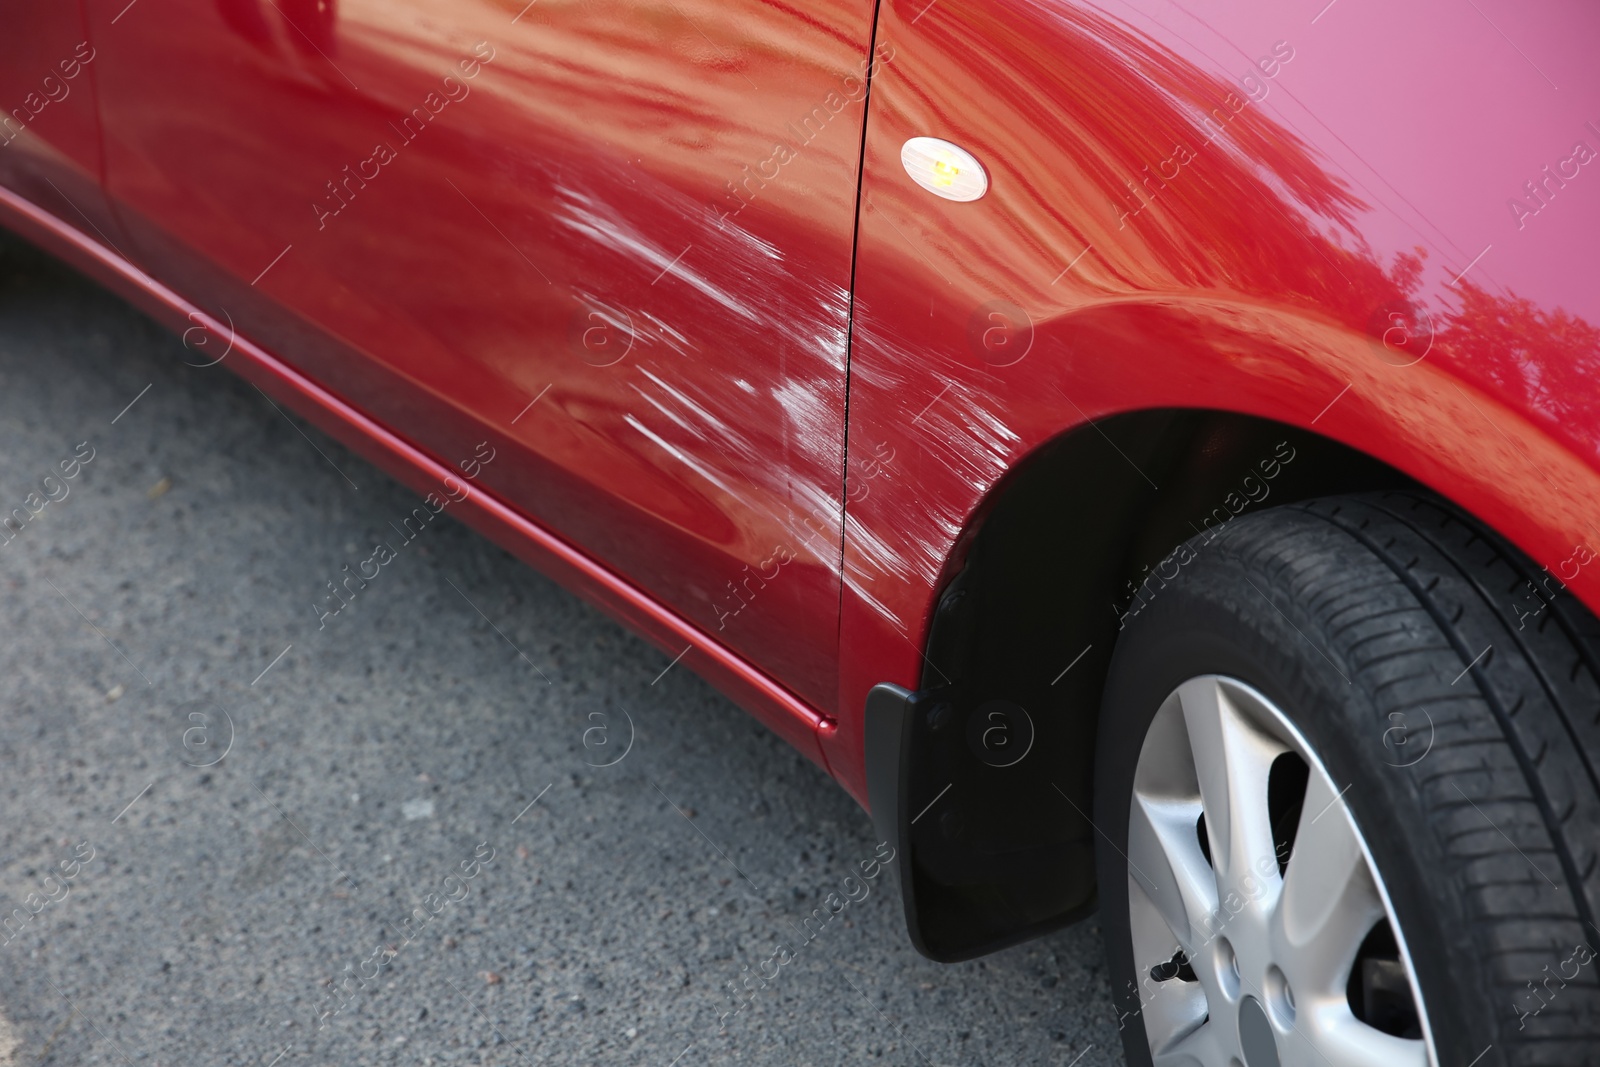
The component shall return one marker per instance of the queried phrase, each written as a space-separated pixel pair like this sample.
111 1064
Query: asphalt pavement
233 835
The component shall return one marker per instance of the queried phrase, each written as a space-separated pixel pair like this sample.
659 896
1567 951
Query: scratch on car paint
683 457
820 323
817 524
870 561
832 337
697 417
669 336
961 434
598 221
815 508
772 444
710 426
749 241
644 327
812 416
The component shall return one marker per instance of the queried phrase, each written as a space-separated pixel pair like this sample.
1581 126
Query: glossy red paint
1375 223
49 128
495 219
1223 208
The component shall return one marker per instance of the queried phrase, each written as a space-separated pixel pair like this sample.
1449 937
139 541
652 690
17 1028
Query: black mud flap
989 852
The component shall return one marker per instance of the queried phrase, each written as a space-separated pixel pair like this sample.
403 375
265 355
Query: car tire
1391 697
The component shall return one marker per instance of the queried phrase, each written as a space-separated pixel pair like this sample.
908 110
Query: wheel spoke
1201 1047
1171 1007
1329 901
1333 1037
1165 860
1291 940
1232 760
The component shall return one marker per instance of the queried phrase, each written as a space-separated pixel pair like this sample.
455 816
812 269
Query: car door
610 237
49 139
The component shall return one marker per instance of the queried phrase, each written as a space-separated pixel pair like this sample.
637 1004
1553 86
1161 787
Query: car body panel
518 223
49 127
1222 209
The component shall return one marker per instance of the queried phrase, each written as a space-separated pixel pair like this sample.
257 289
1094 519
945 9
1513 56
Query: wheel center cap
1256 1040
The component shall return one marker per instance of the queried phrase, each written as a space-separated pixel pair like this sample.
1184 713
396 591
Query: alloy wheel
1262 931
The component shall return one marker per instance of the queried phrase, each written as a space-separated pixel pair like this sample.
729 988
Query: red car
1148 453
